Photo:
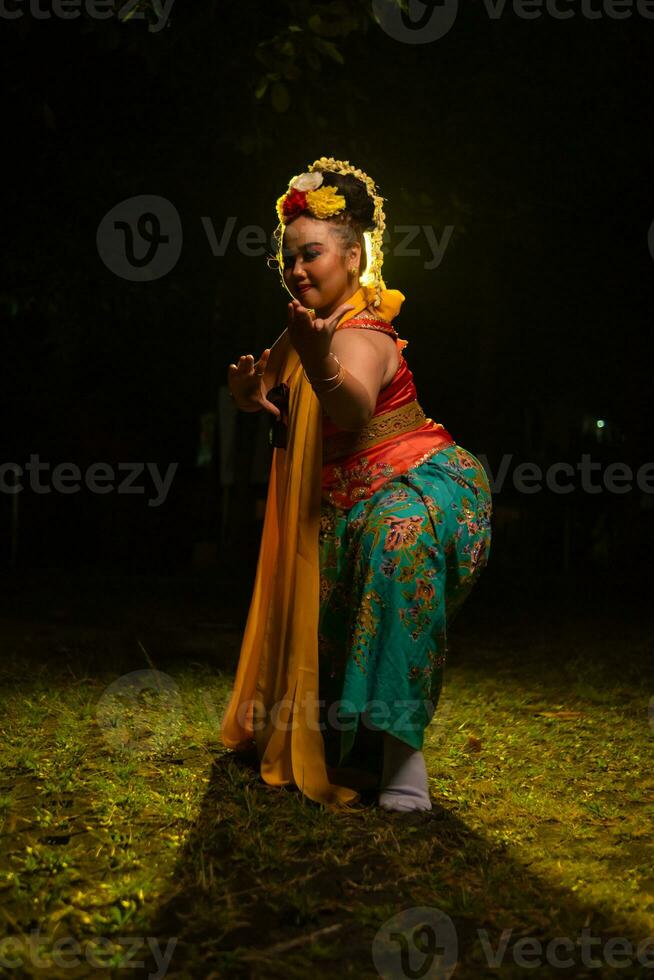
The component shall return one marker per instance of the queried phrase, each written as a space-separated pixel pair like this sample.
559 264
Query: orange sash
274 702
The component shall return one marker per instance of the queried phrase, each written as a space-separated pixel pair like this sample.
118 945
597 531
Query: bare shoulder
351 340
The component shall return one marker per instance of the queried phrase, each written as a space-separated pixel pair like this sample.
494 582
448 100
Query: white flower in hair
306 182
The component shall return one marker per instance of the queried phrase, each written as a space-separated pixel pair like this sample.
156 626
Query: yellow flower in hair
307 193
325 201
278 208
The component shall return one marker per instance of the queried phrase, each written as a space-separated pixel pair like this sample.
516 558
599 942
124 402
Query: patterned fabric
394 572
278 663
393 423
355 583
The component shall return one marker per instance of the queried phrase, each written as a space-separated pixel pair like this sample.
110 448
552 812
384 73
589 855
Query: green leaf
260 90
329 48
127 16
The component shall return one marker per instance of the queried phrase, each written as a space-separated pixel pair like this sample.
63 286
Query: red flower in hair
294 203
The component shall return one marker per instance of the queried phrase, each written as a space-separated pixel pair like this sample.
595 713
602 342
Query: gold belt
399 420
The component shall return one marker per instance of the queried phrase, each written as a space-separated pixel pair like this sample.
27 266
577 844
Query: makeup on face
317 278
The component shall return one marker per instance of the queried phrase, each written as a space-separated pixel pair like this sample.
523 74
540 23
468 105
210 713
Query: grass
122 816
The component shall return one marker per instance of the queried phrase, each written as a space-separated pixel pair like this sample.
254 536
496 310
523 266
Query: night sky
531 140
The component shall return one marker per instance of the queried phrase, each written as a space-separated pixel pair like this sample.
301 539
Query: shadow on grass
273 885
267 883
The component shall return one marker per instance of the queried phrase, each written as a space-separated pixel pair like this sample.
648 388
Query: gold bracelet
333 387
320 380
339 382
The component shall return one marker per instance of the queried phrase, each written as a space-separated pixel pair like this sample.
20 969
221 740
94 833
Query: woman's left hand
311 335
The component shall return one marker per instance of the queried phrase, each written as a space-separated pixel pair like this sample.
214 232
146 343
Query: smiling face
314 256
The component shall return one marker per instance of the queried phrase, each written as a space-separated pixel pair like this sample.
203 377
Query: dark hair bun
358 202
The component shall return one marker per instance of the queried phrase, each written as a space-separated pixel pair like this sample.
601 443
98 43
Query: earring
352 272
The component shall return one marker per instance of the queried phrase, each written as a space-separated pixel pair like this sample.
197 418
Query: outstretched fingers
245 364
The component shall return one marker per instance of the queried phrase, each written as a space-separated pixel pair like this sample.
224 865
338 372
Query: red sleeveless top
398 437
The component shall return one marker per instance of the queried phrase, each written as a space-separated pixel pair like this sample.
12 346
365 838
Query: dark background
532 138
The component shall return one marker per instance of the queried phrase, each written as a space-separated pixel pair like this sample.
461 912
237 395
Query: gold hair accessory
306 193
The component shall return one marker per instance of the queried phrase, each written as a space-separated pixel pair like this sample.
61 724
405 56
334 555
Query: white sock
404 784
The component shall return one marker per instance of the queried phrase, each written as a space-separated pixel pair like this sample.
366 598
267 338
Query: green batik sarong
395 570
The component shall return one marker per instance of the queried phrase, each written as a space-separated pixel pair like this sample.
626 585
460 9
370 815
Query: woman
377 523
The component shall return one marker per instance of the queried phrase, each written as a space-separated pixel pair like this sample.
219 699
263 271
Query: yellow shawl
274 701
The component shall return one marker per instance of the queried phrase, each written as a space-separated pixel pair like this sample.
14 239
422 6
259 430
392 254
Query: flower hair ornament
307 194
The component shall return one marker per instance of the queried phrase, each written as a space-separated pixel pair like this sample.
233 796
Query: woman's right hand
245 381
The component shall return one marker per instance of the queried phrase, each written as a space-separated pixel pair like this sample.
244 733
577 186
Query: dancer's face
314 257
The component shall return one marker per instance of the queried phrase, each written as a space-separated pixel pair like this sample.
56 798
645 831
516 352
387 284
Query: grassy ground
127 828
